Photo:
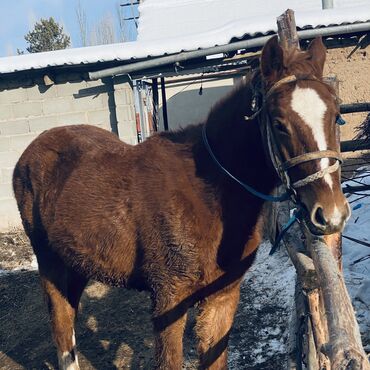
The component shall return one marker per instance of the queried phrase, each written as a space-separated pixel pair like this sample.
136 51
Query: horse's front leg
214 321
169 320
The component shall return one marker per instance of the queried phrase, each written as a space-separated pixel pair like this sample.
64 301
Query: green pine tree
47 35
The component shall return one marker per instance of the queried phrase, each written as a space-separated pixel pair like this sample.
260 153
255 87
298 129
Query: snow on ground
267 295
356 264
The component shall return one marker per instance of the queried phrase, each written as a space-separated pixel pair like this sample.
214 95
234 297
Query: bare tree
82 23
121 22
104 31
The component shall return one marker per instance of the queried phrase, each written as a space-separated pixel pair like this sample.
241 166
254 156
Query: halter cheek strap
273 149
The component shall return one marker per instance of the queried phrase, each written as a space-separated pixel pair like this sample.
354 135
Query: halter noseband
281 166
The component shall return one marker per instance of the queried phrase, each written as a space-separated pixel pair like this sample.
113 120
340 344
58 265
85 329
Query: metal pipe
353 145
244 44
164 105
155 103
139 109
327 4
354 108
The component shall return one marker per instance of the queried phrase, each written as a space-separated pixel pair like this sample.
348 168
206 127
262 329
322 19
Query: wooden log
313 362
296 250
334 243
344 347
287 30
294 357
319 329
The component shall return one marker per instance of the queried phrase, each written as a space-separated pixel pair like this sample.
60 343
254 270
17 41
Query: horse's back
49 160
66 185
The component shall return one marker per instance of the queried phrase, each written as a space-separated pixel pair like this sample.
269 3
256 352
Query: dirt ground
352 68
114 329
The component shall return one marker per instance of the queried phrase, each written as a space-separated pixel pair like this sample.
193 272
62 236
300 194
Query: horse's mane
232 104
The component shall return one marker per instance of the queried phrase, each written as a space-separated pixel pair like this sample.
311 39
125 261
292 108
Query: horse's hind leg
214 321
63 288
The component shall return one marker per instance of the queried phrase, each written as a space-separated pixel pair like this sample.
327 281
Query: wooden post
344 347
287 30
334 241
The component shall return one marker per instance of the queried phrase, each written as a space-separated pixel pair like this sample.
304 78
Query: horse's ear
272 60
317 52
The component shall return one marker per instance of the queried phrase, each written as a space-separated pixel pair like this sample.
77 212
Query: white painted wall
184 104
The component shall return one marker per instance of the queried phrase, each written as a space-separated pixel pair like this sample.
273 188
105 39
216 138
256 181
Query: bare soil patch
114 329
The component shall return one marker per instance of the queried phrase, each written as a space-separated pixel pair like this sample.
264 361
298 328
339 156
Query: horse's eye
281 128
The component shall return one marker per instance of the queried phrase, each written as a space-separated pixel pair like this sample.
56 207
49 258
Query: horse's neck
237 143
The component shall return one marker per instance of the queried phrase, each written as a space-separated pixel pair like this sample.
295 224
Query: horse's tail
26 185
23 191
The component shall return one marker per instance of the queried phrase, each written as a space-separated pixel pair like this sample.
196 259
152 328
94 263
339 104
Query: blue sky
17 17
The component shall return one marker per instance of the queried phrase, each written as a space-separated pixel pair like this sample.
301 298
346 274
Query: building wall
186 106
29 108
352 68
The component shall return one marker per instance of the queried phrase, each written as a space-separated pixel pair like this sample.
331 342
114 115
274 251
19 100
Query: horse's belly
102 253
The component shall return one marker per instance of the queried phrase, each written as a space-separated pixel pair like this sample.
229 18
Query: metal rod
155 103
164 105
355 107
361 242
139 109
130 4
353 145
244 44
355 189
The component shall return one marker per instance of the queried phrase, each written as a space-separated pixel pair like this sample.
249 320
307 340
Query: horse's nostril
318 218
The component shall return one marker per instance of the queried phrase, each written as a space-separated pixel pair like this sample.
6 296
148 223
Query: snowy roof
193 24
172 26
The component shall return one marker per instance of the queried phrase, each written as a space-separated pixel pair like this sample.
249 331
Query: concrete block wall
29 109
125 111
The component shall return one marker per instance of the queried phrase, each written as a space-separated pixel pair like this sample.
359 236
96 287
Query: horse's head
302 112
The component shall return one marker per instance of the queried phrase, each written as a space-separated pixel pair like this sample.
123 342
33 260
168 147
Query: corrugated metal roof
193 24
171 26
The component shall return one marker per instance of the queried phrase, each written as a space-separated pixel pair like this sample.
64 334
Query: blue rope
253 191
295 217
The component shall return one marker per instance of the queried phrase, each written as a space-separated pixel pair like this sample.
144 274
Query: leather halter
282 167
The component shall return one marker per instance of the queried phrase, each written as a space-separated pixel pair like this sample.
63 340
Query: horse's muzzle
322 221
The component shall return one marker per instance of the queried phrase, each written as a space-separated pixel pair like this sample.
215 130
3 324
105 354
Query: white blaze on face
307 103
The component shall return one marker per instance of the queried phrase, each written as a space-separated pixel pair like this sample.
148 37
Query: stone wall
28 107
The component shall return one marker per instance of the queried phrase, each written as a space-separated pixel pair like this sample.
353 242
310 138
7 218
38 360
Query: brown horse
163 216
